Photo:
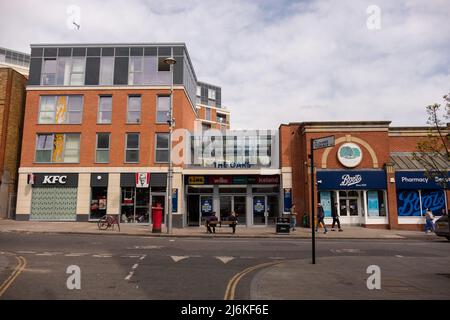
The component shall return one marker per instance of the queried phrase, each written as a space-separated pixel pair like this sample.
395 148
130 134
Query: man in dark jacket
232 217
320 217
211 223
334 214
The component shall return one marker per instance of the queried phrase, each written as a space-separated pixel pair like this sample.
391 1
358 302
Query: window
132 147
104 110
199 91
58 147
134 109
102 148
106 70
63 71
162 66
207 114
212 94
49 72
221 118
162 109
136 72
162 147
60 109
77 74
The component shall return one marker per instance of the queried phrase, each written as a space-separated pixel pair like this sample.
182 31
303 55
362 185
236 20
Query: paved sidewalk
241 231
346 278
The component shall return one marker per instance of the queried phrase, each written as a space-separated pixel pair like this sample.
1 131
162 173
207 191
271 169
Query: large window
132 148
49 72
211 94
162 147
77 74
63 71
106 70
162 109
58 147
102 148
134 109
136 72
104 110
60 109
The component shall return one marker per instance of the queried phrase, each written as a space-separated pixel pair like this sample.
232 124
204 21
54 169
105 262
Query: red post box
157 213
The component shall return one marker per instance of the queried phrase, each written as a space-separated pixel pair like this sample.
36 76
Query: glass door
272 209
206 207
226 206
259 210
240 208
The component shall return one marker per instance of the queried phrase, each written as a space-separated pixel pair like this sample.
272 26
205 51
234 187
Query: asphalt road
131 267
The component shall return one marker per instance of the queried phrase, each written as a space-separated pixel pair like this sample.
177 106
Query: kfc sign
51 180
54 180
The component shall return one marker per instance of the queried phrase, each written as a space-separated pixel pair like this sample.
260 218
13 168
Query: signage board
351 179
324 142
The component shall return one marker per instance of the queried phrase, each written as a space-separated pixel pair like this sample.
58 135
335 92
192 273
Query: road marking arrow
225 259
178 258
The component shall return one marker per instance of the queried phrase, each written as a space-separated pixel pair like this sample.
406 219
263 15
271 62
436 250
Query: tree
435 149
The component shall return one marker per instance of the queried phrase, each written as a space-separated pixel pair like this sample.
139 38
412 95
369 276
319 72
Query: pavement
350 232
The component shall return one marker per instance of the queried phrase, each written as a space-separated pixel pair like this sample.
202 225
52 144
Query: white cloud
276 61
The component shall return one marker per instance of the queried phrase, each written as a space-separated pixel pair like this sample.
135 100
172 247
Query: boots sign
55 180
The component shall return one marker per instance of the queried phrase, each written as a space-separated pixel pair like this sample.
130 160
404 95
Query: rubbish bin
305 221
157 218
282 225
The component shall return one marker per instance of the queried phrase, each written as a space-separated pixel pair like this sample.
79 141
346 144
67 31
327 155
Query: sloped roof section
406 161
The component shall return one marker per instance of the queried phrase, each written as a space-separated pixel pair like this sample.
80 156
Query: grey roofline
334 123
209 84
15 51
87 45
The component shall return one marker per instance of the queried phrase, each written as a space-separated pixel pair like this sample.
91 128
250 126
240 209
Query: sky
276 61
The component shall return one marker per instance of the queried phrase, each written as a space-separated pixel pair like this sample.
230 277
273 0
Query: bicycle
107 221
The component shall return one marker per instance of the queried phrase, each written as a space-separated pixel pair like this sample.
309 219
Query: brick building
370 173
12 104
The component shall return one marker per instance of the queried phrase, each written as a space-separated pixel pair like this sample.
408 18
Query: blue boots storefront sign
416 192
351 180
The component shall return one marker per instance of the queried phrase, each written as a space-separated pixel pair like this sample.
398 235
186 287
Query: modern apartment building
212 113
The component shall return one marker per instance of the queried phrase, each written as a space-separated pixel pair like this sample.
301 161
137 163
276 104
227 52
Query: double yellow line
232 284
21 264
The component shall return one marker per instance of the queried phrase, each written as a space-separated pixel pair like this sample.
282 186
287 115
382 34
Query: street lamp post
170 61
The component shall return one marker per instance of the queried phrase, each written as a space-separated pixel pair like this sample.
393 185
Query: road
132 267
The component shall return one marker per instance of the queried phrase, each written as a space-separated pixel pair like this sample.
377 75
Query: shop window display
98 202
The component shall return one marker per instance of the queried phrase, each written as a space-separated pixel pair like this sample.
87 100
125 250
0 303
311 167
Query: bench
221 223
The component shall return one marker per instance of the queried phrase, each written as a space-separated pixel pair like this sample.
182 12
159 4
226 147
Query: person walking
293 221
335 215
320 217
429 225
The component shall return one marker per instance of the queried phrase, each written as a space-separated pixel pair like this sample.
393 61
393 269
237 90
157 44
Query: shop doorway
193 210
350 206
236 204
265 209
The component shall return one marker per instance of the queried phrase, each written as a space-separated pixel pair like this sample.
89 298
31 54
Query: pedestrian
429 225
293 221
211 223
335 215
320 217
232 217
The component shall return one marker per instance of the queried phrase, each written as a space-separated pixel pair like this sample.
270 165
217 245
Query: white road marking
225 259
47 254
135 266
130 256
399 256
145 247
128 277
178 258
171 240
102 255
25 252
75 254
143 257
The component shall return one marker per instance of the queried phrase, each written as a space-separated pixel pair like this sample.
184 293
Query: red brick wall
183 113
